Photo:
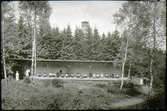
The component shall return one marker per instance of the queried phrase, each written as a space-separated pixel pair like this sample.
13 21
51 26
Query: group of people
16 75
11 75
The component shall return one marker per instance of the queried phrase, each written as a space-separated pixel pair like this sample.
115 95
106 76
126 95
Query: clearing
64 94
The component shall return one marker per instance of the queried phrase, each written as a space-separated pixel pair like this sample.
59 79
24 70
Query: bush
80 91
46 83
55 105
57 83
113 89
61 101
101 85
130 89
27 80
131 92
156 101
128 85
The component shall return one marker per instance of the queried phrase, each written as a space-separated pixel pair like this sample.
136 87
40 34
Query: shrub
128 85
156 101
101 85
57 83
130 89
131 92
60 101
46 83
113 89
55 105
80 91
27 80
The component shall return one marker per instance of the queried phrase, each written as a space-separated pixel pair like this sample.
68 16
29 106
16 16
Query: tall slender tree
3 5
144 21
37 9
6 21
124 61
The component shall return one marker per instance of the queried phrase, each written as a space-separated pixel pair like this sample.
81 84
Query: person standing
17 75
27 72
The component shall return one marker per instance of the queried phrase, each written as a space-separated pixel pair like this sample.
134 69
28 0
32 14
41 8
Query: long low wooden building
46 66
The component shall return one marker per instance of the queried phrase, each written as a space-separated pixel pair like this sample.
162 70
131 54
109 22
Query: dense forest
143 34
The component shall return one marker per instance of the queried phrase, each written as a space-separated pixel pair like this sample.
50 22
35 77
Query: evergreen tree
23 46
95 45
67 49
78 44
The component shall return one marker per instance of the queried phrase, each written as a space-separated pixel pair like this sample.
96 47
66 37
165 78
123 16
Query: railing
75 78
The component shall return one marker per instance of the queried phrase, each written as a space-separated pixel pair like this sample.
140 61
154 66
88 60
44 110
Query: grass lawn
59 94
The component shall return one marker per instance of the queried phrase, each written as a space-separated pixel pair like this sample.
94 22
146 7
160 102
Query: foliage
101 85
57 83
27 80
129 89
155 102
55 44
21 96
138 19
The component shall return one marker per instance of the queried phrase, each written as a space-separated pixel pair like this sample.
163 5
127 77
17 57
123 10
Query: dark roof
58 60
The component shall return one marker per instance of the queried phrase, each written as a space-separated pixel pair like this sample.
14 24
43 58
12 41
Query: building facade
46 66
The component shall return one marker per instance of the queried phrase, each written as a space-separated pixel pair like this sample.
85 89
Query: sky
98 13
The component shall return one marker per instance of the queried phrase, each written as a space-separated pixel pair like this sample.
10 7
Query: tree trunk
33 65
129 71
3 50
151 75
35 45
153 50
123 65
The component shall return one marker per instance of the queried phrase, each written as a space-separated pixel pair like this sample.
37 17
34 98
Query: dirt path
129 102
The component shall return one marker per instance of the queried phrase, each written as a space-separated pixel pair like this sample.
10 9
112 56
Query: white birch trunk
153 51
129 71
33 65
123 65
35 44
3 50
151 75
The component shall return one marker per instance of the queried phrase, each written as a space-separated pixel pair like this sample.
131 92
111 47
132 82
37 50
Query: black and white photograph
83 55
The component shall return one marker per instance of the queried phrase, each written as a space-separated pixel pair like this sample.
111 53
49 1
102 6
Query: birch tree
36 9
123 64
124 19
6 17
3 49
146 29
